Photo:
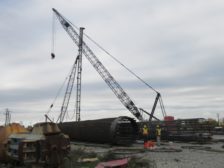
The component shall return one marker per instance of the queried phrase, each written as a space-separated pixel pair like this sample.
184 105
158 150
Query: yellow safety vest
158 132
145 131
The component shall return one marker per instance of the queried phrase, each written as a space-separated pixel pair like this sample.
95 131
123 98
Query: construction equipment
45 145
5 132
76 66
104 73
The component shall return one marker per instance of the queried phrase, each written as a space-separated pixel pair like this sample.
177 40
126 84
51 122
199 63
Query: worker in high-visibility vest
145 132
158 134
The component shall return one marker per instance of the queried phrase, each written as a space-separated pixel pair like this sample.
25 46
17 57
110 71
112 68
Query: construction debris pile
5 132
45 145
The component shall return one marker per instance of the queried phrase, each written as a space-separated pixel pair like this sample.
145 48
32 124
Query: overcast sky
176 46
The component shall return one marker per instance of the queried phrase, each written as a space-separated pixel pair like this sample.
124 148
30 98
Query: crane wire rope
53 34
129 70
52 51
115 59
72 71
119 62
58 92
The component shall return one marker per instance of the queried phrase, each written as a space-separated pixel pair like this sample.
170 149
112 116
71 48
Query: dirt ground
191 156
168 155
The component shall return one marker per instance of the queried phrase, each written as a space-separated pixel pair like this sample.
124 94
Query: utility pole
7 117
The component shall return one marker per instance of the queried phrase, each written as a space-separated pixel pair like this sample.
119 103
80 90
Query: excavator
103 72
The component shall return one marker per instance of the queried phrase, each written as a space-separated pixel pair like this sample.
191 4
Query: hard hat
144 125
157 126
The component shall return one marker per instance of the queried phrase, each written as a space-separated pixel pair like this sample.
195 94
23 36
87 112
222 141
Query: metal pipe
121 131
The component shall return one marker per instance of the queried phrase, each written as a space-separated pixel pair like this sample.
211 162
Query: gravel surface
189 158
170 154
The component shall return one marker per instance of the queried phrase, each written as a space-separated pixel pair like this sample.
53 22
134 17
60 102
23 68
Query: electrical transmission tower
7 117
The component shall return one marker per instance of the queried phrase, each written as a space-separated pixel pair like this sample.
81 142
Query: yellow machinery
5 132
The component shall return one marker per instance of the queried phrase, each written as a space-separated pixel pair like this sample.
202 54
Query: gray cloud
176 46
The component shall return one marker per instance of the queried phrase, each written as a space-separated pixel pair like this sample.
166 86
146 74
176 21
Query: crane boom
68 91
79 75
100 68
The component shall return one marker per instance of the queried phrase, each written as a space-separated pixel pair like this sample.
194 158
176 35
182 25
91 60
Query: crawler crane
103 72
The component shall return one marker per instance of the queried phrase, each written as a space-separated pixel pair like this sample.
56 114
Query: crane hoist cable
115 59
128 69
103 72
100 68
119 62
53 37
69 85
68 91
58 92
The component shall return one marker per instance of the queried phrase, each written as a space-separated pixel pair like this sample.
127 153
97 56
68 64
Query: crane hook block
52 55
